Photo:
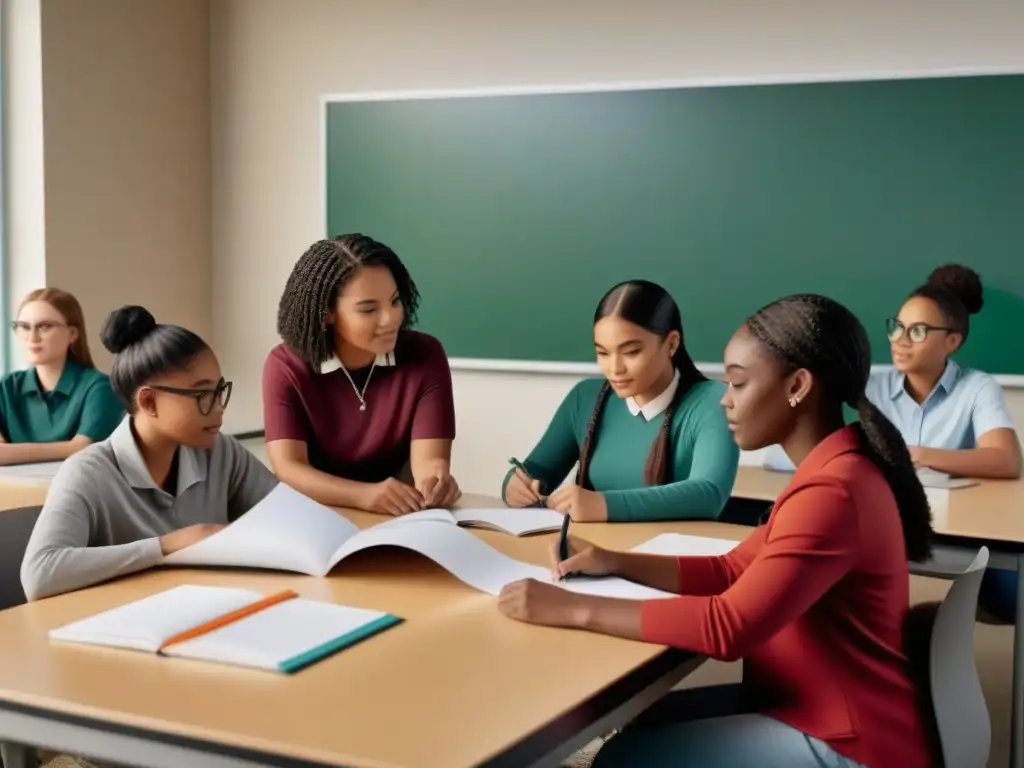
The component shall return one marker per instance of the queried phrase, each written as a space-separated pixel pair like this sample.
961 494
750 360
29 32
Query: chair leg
18 756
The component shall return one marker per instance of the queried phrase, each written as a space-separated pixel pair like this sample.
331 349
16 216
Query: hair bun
962 282
126 326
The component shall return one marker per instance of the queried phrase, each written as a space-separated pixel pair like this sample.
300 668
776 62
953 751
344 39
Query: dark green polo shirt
82 403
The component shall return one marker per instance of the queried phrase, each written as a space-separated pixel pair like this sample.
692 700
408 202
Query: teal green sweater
703 455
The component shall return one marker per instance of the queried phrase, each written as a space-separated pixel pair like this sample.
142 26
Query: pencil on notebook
228 618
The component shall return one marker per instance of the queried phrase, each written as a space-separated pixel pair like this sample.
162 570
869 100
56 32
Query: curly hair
821 335
957 292
319 277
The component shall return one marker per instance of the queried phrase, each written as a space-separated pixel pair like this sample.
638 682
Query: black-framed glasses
205 398
916 332
45 328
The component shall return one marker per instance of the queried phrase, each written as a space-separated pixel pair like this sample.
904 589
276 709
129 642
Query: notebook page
285 531
459 552
517 522
681 545
270 638
145 624
30 472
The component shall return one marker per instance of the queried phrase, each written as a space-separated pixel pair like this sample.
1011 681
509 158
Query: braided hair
816 333
957 292
317 280
651 307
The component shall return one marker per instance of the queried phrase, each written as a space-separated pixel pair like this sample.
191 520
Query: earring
793 401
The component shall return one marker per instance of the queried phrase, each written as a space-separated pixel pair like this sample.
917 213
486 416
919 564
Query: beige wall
272 60
118 124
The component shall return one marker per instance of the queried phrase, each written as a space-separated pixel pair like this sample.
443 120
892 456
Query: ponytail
882 443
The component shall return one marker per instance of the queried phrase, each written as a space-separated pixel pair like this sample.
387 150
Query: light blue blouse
964 405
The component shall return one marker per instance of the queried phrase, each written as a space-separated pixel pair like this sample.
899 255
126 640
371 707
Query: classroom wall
272 60
110 183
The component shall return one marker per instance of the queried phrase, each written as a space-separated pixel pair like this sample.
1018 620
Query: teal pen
519 465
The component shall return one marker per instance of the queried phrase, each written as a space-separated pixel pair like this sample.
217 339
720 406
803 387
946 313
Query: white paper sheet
285 531
31 473
145 624
931 478
613 586
681 545
459 552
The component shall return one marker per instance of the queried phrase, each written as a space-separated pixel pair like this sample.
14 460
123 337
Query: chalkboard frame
574 368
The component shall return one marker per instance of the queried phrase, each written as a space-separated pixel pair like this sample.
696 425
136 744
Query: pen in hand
563 544
526 477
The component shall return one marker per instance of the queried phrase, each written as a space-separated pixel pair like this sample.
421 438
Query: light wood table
456 684
15 494
989 514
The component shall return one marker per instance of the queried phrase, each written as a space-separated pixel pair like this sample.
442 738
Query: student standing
814 601
61 403
165 479
659 450
353 395
954 419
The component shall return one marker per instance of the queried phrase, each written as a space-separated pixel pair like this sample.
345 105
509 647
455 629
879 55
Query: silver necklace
362 402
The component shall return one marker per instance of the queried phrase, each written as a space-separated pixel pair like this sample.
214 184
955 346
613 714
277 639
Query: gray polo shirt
104 515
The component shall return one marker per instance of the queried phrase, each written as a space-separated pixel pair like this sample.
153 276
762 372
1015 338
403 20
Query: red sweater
814 602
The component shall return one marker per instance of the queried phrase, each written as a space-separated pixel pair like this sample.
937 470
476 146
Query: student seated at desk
659 450
954 419
61 403
813 601
353 395
166 478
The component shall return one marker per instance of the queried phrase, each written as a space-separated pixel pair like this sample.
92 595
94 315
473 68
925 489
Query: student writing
61 403
353 395
660 449
814 600
954 419
166 478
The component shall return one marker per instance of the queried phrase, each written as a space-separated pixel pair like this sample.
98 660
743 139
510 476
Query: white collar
657 405
387 360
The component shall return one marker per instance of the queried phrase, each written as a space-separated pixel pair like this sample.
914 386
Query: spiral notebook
280 632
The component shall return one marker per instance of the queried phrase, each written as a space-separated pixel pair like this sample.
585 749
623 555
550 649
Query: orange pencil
228 618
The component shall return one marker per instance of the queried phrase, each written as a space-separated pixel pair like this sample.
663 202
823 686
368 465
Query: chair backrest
961 715
15 528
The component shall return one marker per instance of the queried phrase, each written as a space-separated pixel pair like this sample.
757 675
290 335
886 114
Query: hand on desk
186 537
439 490
584 559
581 505
536 602
392 497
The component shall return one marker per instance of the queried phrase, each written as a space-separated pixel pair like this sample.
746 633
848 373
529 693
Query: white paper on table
31 473
931 478
681 545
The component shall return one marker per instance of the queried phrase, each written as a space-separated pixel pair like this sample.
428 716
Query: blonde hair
71 310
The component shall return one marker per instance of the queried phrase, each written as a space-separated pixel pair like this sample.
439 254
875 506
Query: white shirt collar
657 405
386 360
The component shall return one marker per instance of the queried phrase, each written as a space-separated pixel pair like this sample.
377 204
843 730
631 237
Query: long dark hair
144 349
651 307
317 279
821 335
957 292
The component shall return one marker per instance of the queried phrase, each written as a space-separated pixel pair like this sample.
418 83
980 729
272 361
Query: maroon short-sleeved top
409 397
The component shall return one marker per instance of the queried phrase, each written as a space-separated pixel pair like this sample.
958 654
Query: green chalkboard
515 213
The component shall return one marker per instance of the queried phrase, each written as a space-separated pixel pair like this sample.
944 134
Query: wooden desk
989 514
15 493
457 684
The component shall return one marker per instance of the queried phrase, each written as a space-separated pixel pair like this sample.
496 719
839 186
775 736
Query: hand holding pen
522 490
571 556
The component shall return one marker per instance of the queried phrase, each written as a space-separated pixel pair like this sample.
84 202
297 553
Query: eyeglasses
45 328
205 398
917 332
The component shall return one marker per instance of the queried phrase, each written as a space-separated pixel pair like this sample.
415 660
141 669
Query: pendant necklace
362 401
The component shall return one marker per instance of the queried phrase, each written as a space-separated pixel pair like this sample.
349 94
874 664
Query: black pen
519 465
563 543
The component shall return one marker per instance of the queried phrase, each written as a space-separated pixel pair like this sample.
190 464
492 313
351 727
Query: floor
992 644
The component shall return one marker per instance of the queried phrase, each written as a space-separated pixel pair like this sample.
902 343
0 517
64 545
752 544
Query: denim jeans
709 727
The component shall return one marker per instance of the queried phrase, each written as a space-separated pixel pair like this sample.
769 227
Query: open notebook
287 531
280 633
